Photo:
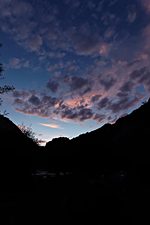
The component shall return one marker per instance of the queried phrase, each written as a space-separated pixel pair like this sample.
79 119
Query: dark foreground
58 198
102 177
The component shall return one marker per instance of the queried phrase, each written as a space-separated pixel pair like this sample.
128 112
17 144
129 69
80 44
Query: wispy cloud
51 125
146 5
18 63
132 15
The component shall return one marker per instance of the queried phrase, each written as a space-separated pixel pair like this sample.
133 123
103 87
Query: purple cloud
99 117
95 98
123 104
78 113
34 100
84 41
108 82
17 63
21 94
127 87
15 8
103 103
136 74
132 14
146 5
77 83
34 43
142 76
47 106
52 85
29 102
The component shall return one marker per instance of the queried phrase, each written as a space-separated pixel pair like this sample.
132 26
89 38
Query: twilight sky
75 64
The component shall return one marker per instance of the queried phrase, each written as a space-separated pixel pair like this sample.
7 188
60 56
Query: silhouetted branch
4 113
28 132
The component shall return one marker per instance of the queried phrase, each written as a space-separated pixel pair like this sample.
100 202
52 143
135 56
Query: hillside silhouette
15 155
120 141
113 146
100 177
124 143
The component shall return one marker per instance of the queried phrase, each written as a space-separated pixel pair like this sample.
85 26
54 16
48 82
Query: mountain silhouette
123 143
110 168
15 154
99 177
12 137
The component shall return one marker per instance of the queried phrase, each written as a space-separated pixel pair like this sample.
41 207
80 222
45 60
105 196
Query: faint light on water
45 174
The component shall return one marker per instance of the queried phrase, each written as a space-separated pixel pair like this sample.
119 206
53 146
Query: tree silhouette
28 132
4 88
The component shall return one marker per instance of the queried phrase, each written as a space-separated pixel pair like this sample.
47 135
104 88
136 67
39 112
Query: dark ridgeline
15 156
109 169
118 146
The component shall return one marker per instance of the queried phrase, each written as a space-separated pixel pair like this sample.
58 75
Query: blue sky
75 64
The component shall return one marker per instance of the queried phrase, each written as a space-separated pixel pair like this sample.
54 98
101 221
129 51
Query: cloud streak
17 63
52 126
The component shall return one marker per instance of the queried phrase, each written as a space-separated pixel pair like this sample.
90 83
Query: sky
75 65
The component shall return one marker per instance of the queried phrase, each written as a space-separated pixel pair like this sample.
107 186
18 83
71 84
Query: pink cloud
146 5
17 63
35 43
104 49
52 125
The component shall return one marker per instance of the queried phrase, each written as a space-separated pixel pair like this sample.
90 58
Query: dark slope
111 171
137 122
128 137
16 152
125 142
12 138
123 145
109 181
